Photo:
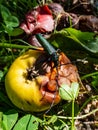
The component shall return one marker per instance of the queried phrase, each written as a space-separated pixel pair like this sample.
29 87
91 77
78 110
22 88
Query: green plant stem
77 118
72 127
80 117
89 75
7 45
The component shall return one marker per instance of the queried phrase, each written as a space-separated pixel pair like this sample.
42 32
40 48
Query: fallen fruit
31 82
38 20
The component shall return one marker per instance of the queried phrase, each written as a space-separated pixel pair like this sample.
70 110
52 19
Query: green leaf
12 21
13 31
1 117
27 122
75 89
65 92
83 36
9 119
72 39
85 39
4 12
9 20
16 32
33 123
69 92
4 123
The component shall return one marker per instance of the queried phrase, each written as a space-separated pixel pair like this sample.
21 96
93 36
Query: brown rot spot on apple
64 73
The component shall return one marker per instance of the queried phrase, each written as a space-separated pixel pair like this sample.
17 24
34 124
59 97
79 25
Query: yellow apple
24 93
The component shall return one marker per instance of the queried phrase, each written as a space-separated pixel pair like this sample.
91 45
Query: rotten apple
32 82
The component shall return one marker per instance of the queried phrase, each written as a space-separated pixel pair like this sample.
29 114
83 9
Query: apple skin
24 93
